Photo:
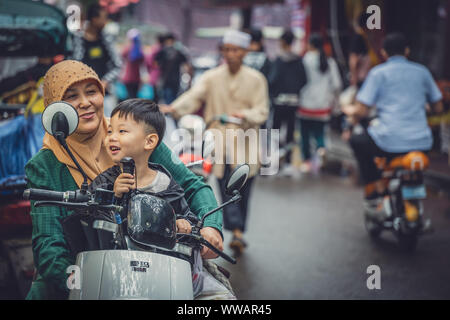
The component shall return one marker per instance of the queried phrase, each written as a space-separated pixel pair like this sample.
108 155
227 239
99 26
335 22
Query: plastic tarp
20 139
31 28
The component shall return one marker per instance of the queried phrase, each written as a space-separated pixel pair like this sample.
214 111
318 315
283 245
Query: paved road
307 241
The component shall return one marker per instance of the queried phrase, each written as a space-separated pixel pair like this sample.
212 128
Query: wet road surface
307 241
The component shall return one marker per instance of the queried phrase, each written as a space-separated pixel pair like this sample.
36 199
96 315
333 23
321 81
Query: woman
134 58
316 98
51 168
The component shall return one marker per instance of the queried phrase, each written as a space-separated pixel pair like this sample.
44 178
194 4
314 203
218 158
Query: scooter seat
414 160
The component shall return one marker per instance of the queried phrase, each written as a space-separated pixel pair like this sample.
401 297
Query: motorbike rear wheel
407 242
373 227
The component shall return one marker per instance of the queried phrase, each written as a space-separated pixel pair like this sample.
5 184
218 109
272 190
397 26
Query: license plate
414 192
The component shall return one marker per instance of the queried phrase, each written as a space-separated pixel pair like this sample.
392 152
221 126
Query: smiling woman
52 168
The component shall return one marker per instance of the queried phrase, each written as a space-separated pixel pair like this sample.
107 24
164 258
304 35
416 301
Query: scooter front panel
123 274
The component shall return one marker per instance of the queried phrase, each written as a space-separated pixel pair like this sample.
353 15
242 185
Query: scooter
403 205
145 260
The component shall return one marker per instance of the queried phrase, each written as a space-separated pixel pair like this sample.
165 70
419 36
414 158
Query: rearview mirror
237 179
60 117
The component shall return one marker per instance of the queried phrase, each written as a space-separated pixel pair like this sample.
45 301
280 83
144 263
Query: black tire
373 227
407 242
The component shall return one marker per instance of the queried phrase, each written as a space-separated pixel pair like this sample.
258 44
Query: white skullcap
238 38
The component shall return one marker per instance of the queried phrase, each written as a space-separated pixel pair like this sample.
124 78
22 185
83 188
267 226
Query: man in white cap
235 90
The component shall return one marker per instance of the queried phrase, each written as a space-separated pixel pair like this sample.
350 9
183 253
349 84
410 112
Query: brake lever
199 238
220 253
79 205
60 204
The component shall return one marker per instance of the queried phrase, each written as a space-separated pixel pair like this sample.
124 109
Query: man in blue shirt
399 90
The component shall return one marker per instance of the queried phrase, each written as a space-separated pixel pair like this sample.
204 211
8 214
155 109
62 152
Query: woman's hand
238 115
212 235
123 184
183 226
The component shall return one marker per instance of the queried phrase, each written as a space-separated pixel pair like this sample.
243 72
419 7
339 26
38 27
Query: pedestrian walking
95 48
237 90
133 57
170 60
256 57
154 72
317 98
287 77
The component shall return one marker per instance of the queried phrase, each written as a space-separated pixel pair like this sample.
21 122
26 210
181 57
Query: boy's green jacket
50 252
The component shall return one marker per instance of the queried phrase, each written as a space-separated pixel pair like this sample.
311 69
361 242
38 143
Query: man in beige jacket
235 90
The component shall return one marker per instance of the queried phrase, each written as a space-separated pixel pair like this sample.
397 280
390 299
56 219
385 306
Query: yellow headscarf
90 152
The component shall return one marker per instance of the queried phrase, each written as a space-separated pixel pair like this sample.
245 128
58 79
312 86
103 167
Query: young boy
136 128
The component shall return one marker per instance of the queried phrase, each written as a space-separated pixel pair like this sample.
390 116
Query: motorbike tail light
411 211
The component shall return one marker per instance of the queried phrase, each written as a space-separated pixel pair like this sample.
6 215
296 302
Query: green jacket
50 252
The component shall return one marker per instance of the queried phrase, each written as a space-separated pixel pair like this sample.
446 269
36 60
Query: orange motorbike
403 205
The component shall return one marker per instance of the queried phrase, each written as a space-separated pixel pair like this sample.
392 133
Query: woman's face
87 99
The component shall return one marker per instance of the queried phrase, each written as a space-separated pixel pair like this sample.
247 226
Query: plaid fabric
50 251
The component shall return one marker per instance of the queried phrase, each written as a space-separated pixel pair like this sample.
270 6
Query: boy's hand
123 184
212 235
183 226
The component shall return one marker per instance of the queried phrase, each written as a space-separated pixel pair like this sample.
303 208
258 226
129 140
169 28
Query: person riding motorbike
52 168
239 91
136 129
399 90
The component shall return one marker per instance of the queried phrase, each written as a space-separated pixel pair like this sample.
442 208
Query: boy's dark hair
143 110
93 11
395 44
287 37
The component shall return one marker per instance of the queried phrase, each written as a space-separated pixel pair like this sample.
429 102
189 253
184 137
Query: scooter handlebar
220 253
199 238
223 119
50 195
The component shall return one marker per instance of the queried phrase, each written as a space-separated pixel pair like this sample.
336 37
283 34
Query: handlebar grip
50 195
42 194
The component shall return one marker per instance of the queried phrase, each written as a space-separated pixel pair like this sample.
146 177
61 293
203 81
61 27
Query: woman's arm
198 194
50 252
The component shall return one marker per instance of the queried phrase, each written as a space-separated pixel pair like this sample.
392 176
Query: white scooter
148 260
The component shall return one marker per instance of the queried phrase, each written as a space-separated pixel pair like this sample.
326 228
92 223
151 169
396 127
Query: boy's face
128 138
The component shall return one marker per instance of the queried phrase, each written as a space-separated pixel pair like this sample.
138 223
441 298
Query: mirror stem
236 197
61 139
